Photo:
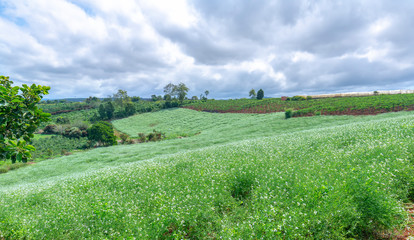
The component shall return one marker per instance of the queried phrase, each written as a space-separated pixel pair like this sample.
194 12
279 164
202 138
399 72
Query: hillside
366 105
222 175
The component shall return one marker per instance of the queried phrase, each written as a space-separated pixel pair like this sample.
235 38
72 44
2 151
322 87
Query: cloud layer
94 47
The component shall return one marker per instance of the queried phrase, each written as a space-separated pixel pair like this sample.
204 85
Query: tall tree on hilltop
260 94
252 93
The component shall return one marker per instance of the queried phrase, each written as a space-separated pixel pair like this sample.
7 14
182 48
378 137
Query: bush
155 136
124 137
81 125
3 170
63 120
17 165
298 98
50 129
289 113
73 132
141 137
102 133
308 98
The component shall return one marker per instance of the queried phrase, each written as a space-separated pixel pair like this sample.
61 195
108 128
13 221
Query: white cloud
94 47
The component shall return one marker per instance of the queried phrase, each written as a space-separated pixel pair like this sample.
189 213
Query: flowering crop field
252 177
326 106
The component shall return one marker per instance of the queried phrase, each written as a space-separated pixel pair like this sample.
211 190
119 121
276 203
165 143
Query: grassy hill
232 176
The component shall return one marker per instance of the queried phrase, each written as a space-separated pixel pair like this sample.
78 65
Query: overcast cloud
87 48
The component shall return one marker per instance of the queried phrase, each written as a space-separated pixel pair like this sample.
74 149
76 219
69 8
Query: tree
135 99
102 112
92 101
19 118
178 91
167 97
121 98
260 94
252 93
169 89
206 93
102 133
130 109
109 108
182 91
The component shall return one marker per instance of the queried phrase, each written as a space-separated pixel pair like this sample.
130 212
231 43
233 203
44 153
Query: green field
235 176
325 106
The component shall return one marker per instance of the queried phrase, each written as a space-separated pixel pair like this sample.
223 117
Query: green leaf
30 148
17 100
19 157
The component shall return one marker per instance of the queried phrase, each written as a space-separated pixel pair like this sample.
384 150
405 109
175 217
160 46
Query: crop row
326 106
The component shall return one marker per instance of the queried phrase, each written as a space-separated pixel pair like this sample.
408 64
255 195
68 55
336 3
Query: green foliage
102 133
297 98
289 113
153 136
260 94
50 129
73 132
63 120
3 170
109 109
179 91
130 109
121 98
252 93
6 166
102 112
124 137
19 119
53 146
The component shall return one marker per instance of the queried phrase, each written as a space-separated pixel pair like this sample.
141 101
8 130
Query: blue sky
87 48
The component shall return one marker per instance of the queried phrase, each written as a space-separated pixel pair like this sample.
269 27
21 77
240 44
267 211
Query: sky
83 48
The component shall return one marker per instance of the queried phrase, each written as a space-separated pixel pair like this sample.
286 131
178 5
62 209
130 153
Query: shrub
289 113
63 120
73 132
309 98
298 98
102 133
142 137
124 137
50 129
155 136
82 125
17 165
3 170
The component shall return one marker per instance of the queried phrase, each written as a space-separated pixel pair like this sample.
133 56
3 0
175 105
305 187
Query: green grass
242 177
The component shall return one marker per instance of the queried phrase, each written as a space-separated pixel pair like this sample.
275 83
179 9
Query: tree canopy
19 118
260 94
252 93
178 91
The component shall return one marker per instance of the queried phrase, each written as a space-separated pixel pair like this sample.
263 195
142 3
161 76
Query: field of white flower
310 178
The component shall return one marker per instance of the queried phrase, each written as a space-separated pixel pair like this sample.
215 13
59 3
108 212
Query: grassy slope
215 129
190 193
